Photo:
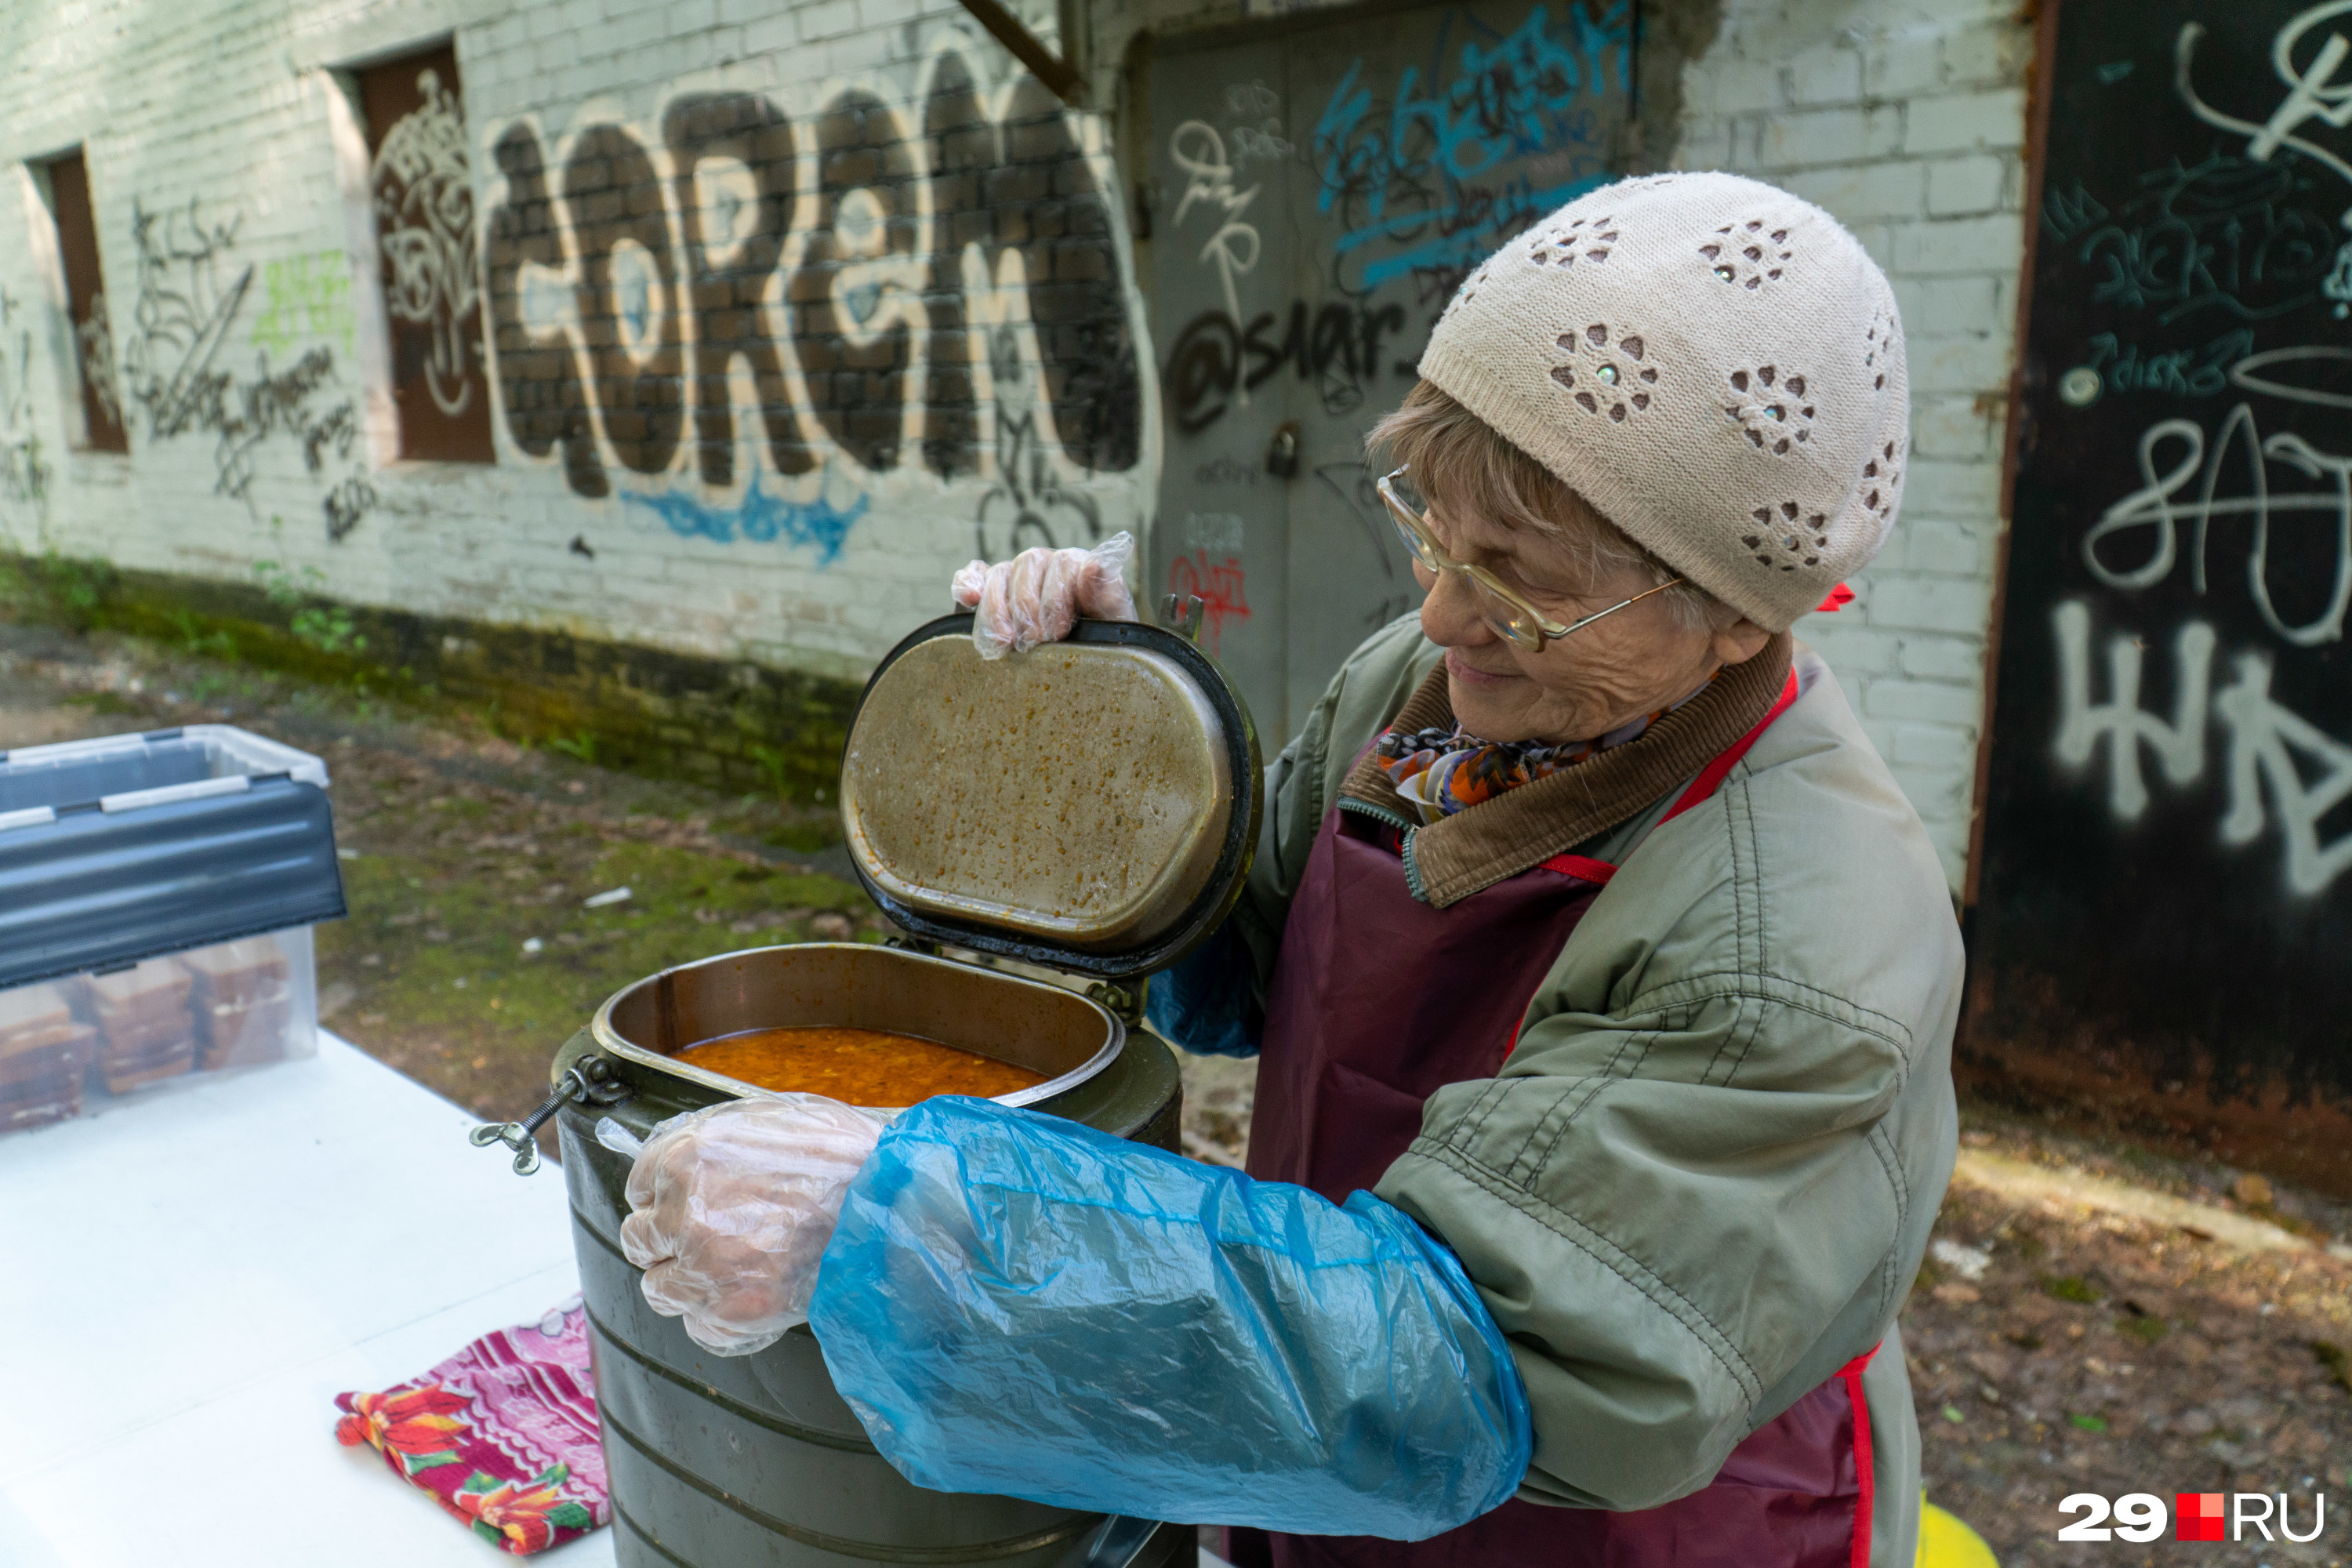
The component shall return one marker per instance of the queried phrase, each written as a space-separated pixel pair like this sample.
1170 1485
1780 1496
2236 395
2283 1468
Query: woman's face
1581 685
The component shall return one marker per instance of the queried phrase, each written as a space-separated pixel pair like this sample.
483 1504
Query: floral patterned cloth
1440 771
503 1433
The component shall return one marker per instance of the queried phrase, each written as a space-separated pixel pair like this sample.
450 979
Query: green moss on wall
615 704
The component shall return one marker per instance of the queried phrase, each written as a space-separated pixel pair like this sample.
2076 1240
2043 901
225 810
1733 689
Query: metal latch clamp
587 1083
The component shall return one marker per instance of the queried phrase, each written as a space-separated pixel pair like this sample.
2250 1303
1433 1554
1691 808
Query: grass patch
110 704
2146 1330
2334 1358
2070 1287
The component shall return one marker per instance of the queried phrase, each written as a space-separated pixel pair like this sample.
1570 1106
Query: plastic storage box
157 898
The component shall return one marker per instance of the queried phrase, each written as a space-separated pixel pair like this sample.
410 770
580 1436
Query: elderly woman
1604 981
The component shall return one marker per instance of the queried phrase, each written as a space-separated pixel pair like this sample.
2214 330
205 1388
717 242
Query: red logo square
2198 1516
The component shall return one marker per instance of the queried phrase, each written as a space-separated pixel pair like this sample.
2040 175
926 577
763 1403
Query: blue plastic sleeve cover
1204 1002
1015 1304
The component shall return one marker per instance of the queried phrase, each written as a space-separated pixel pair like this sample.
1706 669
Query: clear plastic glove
1039 594
730 1208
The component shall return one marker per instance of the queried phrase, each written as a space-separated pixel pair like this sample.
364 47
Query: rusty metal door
1316 194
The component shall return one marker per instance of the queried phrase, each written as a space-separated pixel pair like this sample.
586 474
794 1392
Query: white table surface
186 1281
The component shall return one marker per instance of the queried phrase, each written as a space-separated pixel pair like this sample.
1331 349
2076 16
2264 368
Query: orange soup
863 1066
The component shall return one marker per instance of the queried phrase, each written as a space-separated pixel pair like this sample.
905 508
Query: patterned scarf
1440 771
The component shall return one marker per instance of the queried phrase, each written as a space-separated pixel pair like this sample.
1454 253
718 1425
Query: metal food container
1089 808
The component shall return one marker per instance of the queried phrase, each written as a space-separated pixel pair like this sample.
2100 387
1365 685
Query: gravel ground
2059 1343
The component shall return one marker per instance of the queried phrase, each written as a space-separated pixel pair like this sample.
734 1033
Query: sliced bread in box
125 1070
31 1010
243 1036
41 1076
42 1052
238 974
142 996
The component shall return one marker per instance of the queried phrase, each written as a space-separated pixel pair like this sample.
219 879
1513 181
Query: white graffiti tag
2157 505
2271 751
425 221
2266 738
2179 745
1233 248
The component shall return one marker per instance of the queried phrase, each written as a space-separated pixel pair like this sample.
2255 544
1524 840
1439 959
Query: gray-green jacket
1707 1173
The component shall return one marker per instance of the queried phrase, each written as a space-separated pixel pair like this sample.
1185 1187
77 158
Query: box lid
1091 804
136 846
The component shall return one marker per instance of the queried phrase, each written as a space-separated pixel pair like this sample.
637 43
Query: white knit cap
1713 364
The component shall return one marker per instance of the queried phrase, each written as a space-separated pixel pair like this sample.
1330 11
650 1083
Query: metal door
1315 195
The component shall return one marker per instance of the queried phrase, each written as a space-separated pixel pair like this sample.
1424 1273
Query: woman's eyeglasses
1515 620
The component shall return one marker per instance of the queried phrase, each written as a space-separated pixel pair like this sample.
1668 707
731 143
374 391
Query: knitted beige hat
1713 364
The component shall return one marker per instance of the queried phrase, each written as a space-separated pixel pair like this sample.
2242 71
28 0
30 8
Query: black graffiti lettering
539 386
1335 338
1271 359
1024 186
965 158
857 265
995 245
1335 346
1387 318
731 316
183 315
1205 366
612 197
1076 302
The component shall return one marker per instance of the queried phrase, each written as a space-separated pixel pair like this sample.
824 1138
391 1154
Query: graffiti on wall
1335 348
2308 92
2230 239
821 524
94 348
24 472
191 288
2269 753
1427 176
2165 887
304 298
1221 584
2242 487
931 283
1418 175
424 194
1029 504
1234 245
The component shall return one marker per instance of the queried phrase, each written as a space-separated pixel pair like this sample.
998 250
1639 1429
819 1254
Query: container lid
1091 804
133 846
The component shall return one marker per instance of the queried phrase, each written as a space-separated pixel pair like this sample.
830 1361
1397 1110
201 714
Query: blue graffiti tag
1431 174
759 517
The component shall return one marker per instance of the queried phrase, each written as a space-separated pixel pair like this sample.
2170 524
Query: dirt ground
2117 1337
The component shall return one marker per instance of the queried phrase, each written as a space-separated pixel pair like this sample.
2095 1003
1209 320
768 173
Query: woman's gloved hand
730 1208
1039 594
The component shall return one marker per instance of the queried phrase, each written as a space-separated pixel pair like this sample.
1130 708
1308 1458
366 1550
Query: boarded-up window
101 399
424 195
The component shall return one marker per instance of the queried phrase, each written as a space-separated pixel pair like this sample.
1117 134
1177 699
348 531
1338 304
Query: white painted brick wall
1906 119
221 102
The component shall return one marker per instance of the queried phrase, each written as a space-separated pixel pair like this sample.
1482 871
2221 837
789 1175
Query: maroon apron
1378 1001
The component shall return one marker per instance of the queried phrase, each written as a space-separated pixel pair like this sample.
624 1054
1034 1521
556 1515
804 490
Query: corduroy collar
1475 849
